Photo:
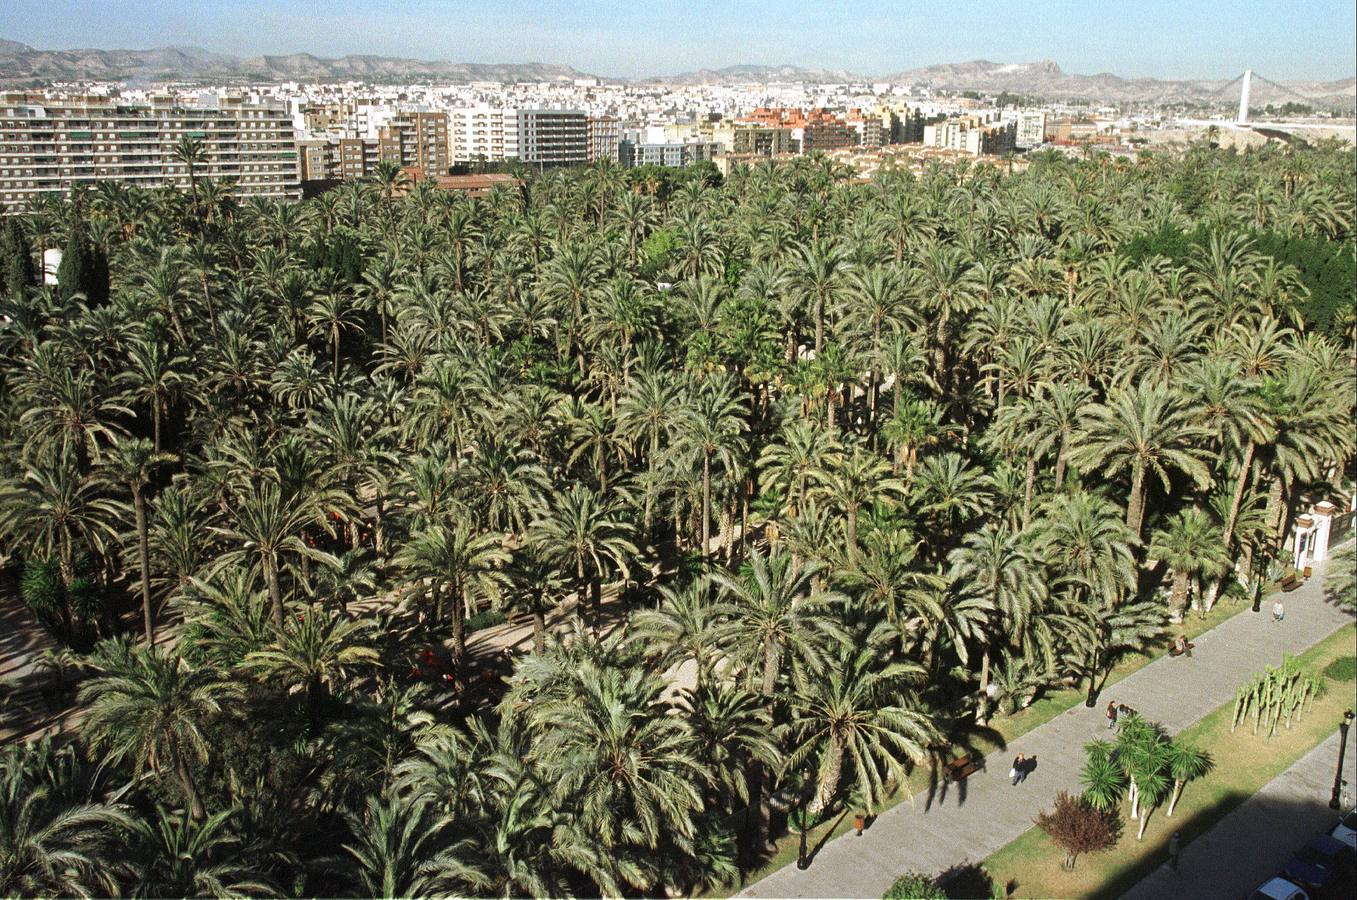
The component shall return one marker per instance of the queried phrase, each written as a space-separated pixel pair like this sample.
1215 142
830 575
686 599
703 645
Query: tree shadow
965 737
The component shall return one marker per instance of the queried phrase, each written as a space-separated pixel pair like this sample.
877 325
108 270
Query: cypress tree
73 273
17 257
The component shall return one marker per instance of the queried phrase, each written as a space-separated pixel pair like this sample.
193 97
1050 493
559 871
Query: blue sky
1161 38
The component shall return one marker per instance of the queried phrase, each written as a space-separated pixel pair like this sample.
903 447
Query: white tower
1244 97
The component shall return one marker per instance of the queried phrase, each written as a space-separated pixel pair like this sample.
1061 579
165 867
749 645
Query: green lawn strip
1008 727
1244 763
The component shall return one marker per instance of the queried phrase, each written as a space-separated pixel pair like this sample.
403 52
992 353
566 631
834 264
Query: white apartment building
50 143
1031 127
482 133
978 135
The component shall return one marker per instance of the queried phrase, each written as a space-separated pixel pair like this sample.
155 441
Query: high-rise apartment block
1031 127
979 135
51 143
483 134
605 136
416 140
553 137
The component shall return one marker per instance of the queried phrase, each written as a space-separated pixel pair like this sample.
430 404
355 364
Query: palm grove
865 461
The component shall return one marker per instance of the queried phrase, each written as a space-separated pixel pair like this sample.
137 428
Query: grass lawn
1005 729
1244 763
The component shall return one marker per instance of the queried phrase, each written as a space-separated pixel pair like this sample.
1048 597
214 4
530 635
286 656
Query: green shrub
914 886
71 613
1342 669
486 618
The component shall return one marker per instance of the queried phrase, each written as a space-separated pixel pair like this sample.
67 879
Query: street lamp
1335 799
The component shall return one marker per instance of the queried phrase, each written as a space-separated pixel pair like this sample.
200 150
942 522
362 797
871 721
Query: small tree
1273 693
1076 827
1186 763
913 886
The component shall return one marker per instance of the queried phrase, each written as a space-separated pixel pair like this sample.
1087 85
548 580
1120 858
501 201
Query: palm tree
151 708
153 375
995 565
1190 544
267 522
863 709
577 531
856 479
191 153
53 511
54 838
776 615
625 766
686 626
403 848
1145 431
711 428
1186 763
174 855
317 652
455 559
131 464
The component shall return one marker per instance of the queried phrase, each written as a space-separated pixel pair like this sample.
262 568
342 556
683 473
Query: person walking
1111 714
1019 770
1278 611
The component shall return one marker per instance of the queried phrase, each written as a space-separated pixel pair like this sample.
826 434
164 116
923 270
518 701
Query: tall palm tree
152 709
55 839
867 711
467 565
317 652
267 522
996 565
1144 431
578 531
623 764
175 855
404 848
711 427
1190 544
130 464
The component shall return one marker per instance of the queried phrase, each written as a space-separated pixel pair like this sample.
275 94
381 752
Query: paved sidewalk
966 825
1252 843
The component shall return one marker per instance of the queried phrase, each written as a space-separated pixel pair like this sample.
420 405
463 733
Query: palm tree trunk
144 562
458 621
539 631
981 714
1178 596
829 783
195 803
706 506
275 594
1173 801
1027 494
1245 461
1135 504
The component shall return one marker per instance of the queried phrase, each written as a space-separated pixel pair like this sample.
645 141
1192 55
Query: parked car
1346 829
1279 889
1319 863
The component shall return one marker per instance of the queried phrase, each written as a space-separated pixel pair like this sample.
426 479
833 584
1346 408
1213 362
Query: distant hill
748 74
21 65
1047 79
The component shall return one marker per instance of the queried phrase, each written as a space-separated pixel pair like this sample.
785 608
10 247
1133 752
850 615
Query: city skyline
1184 40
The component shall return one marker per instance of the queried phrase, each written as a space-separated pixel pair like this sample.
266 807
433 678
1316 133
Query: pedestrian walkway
1252 843
967 825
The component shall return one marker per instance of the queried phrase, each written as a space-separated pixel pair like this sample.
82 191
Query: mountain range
23 66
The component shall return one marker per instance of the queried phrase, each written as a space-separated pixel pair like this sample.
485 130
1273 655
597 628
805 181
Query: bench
1290 582
961 767
1174 651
